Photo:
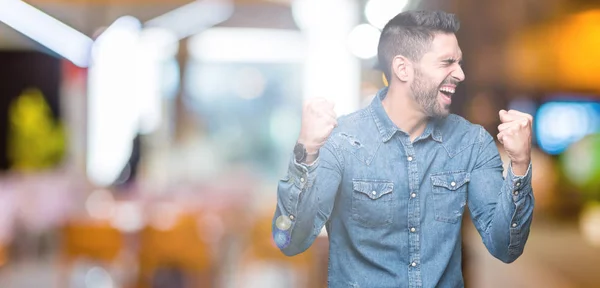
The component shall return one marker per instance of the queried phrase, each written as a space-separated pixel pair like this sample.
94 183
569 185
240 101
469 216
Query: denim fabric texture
393 207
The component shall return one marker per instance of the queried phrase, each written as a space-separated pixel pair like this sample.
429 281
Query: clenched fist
515 135
318 120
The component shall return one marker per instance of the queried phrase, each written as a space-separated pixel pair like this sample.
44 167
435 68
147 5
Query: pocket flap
450 180
373 189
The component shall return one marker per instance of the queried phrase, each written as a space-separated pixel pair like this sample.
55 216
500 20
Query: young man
390 182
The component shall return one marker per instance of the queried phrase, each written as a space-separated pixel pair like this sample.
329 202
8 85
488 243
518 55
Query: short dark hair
410 34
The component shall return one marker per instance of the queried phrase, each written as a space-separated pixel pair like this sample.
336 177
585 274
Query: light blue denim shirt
393 208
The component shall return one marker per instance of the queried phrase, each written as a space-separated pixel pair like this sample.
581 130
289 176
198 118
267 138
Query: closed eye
449 62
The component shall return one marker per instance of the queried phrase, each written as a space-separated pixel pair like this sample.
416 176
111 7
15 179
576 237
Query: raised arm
305 197
502 208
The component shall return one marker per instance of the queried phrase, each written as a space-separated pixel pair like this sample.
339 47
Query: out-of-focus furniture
97 241
179 246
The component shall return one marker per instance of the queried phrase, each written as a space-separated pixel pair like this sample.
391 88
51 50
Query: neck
405 112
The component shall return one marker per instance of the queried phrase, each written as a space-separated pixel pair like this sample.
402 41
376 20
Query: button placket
414 213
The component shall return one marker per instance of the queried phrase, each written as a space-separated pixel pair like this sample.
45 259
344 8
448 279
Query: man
390 182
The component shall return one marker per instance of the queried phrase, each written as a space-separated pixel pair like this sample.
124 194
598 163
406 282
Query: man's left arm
502 208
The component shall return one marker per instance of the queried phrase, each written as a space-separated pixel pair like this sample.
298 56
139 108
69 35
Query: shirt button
374 192
516 193
410 158
291 217
413 229
453 184
518 184
413 264
413 195
302 179
514 225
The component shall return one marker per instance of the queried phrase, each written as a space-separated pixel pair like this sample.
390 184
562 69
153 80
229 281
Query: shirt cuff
519 186
302 174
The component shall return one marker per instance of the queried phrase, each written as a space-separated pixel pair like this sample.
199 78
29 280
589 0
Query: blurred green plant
35 140
581 164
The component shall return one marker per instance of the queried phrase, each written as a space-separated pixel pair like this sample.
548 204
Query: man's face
437 75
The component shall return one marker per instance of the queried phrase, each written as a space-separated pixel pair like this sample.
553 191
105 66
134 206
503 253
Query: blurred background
141 140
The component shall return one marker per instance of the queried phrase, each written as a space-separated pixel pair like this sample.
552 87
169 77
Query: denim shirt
393 208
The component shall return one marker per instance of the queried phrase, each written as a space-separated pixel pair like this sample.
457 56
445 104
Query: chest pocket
372 202
449 195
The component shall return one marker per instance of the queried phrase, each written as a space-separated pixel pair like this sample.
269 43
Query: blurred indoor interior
141 141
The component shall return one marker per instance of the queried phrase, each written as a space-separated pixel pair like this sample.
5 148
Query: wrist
311 158
311 149
521 162
520 168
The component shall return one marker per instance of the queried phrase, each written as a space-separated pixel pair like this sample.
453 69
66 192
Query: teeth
447 90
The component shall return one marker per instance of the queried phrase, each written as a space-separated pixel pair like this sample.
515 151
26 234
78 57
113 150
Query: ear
401 68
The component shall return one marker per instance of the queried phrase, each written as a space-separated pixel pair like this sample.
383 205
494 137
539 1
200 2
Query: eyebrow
452 60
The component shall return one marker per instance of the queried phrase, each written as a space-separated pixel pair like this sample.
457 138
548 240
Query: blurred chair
97 241
177 249
4 254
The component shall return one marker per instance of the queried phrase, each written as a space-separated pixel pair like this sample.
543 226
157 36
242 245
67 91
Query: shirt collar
387 128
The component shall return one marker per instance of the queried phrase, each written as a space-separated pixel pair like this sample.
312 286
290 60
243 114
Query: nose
458 74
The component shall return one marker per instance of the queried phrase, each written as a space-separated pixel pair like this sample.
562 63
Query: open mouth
448 91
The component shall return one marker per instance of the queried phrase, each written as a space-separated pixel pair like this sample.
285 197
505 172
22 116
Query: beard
425 94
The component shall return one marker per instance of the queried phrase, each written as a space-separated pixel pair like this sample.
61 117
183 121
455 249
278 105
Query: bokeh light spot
283 223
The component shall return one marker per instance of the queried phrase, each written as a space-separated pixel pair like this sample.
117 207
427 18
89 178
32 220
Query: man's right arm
305 200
